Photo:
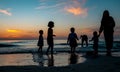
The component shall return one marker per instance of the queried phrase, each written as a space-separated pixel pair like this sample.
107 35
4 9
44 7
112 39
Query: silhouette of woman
107 26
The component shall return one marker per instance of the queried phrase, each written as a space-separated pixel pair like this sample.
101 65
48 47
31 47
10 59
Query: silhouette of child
95 42
72 37
50 37
40 41
84 38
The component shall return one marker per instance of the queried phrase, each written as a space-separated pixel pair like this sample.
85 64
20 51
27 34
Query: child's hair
72 29
95 33
40 31
51 24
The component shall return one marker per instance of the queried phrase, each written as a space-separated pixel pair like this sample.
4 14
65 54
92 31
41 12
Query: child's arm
98 35
68 39
77 37
54 35
91 40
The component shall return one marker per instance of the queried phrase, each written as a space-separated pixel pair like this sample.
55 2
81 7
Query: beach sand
102 63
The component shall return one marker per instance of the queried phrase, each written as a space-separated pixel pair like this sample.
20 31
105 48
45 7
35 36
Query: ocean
11 46
24 53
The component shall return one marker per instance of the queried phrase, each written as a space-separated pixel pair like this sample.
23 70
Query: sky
22 19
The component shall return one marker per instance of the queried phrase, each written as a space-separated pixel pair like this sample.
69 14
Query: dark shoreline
55 52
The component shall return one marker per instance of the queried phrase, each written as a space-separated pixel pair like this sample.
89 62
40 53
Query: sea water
61 56
31 45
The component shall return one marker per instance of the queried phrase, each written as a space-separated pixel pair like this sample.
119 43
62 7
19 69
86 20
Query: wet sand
58 59
100 64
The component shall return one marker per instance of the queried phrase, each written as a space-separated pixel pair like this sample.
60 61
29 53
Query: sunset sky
22 19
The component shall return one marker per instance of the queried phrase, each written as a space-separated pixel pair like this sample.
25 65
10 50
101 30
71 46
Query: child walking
50 37
72 40
40 41
95 43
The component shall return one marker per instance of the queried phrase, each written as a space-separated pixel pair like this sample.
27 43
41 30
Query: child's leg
48 49
86 43
41 49
73 49
51 49
95 51
82 43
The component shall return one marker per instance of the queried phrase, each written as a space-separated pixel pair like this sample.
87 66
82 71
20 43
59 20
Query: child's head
40 32
72 30
51 24
95 33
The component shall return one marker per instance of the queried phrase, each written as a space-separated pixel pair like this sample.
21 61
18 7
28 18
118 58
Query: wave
7 45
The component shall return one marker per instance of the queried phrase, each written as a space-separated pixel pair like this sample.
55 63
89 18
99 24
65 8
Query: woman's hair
106 13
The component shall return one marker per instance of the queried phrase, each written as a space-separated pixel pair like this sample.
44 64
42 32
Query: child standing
50 37
95 42
72 37
40 41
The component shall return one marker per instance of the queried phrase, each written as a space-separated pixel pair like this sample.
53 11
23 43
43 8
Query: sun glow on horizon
12 31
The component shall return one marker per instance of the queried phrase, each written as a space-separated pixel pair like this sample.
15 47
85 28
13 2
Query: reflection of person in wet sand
50 60
73 58
41 59
38 58
107 26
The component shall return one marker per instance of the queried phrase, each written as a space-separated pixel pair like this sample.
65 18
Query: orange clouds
76 8
76 11
5 12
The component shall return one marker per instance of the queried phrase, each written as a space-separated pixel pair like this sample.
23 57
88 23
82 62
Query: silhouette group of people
107 27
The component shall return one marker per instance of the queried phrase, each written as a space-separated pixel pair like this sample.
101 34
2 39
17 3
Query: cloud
49 6
6 12
76 8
